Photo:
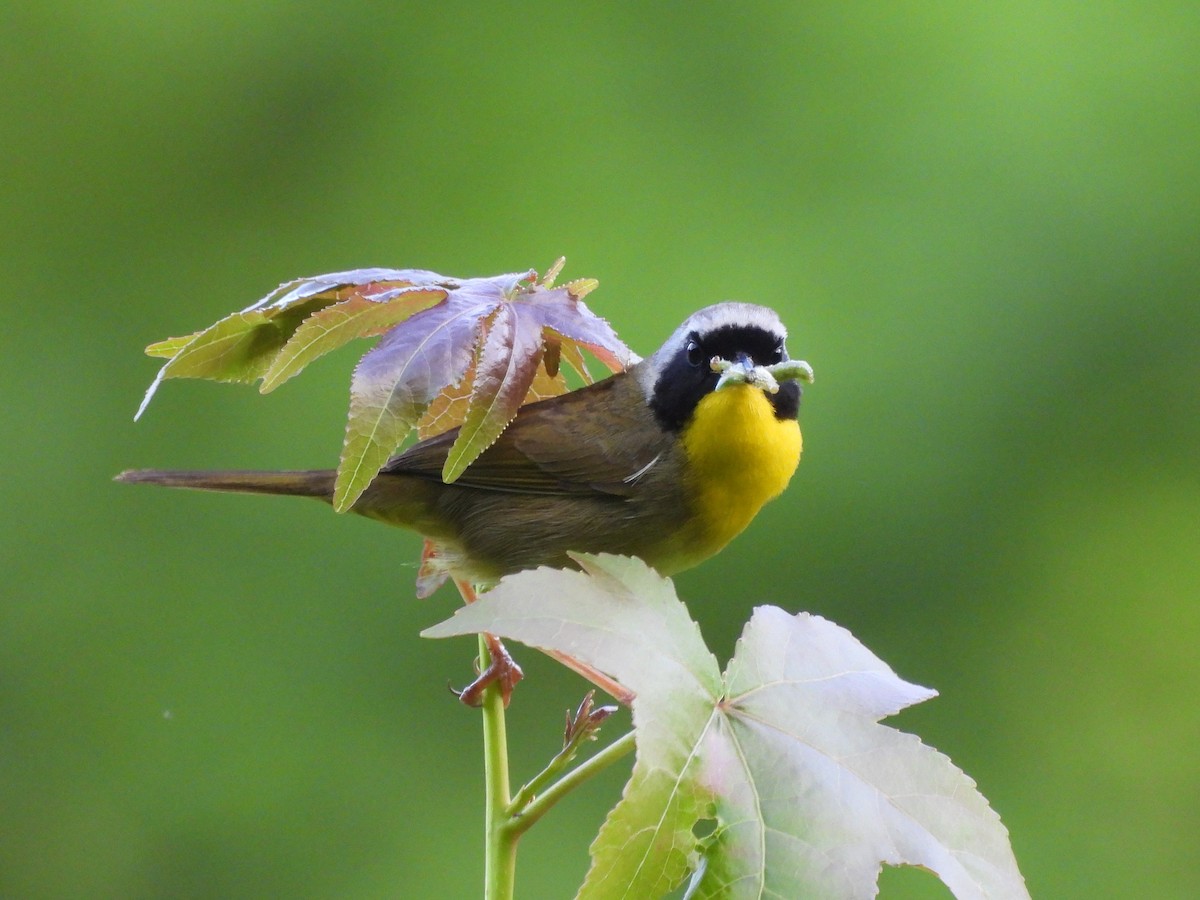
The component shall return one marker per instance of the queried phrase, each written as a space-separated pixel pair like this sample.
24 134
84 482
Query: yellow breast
739 457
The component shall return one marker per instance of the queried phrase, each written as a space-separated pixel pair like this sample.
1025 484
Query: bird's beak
743 371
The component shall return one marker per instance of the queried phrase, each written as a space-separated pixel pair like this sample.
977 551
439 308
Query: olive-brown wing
598 439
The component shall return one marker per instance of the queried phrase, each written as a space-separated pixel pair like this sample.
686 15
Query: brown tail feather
311 483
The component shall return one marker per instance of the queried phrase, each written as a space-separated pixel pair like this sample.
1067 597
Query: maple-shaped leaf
497 329
449 408
453 352
260 340
811 794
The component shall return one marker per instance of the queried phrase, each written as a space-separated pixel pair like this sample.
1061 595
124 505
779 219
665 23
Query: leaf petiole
537 805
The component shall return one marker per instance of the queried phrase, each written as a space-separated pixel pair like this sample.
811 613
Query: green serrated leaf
504 372
168 348
374 429
230 349
653 647
581 287
553 272
811 793
395 383
241 346
646 845
329 328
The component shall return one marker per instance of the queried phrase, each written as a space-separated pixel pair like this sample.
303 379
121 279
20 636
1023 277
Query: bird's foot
502 671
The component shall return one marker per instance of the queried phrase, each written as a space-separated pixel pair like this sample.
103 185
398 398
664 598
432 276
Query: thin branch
500 860
540 805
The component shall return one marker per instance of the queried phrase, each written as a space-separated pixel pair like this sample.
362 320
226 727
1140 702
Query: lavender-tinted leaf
301 288
449 408
395 383
571 319
504 372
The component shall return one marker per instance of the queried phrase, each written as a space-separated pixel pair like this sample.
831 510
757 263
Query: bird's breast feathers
740 455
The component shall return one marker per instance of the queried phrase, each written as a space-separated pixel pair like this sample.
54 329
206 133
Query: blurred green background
981 222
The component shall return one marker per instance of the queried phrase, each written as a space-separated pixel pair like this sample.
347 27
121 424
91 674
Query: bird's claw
502 671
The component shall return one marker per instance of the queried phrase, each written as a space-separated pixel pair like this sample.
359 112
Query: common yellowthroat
667 461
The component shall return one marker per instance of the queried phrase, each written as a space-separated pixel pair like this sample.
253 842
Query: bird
667 460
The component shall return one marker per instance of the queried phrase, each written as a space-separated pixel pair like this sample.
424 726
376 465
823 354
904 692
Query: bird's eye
778 353
695 353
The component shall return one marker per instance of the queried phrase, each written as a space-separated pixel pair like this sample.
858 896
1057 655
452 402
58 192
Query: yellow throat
739 457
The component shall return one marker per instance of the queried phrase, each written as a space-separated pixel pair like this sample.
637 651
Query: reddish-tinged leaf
331 327
395 383
573 356
545 386
504 373
450 407
573 321
433 368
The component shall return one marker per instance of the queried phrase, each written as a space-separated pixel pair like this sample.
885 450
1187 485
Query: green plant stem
524 819
507 818
534 785
500 859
